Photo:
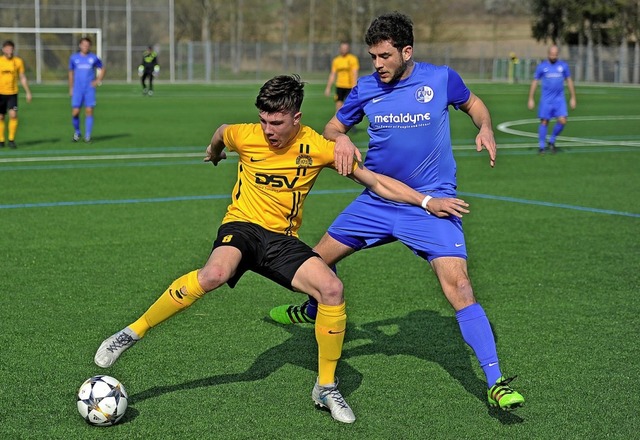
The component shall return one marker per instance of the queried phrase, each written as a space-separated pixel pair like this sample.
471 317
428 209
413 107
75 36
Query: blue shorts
86 97
369 222
553 109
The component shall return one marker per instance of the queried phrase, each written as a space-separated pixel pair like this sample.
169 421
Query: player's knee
331 292
212 277
460 290
463 285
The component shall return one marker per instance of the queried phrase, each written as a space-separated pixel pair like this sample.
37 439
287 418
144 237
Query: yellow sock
331 323
181 294
13 127
1 130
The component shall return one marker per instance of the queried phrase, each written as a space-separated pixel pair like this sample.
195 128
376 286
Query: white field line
505 128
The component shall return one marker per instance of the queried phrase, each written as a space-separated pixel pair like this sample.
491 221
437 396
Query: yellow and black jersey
10 70
343 66
273 183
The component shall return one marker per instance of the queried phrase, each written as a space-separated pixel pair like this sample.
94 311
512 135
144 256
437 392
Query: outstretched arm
393 189
480 116
345 150
214 153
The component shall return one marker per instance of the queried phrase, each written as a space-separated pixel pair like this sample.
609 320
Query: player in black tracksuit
148 69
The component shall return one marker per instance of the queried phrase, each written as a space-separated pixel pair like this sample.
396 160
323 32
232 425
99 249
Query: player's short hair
394 27
281 94
8 43
87 39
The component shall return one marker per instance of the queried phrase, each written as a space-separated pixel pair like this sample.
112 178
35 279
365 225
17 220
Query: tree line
592 25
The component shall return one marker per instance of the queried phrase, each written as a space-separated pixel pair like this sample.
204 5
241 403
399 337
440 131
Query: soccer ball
102 400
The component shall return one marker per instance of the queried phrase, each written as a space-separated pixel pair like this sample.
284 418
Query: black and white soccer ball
102 400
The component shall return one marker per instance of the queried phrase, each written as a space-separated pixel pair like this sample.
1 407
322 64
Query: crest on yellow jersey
304 161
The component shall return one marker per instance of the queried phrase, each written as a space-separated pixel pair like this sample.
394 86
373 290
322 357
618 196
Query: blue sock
312 308
556 131
542 135
88 126
76 123
476 331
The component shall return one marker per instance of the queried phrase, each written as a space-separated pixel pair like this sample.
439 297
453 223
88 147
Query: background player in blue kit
553 73
85 74
407 106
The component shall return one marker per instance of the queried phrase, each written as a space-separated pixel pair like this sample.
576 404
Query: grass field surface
92 234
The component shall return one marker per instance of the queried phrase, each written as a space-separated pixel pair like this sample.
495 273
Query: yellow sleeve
334 67
229 136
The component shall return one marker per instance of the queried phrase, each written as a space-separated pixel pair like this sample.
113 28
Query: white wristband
424 203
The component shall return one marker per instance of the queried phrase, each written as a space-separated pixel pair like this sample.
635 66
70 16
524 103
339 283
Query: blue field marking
316 192
549 204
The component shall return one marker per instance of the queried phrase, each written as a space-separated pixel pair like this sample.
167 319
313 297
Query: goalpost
38 40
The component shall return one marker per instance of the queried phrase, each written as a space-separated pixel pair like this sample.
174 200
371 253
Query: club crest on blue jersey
424 94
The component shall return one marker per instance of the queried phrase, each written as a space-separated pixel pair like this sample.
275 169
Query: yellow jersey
343 66
10 70
273 183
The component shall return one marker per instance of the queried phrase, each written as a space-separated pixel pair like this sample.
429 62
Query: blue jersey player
85 74
552 73
407 106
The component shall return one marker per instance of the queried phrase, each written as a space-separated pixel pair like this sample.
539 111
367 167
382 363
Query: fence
129 26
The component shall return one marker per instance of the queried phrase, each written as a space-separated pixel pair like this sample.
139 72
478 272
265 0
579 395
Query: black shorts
341 94
272 255
8 102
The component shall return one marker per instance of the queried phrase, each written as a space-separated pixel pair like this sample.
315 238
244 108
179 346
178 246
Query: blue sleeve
539 72
71 64
351 113
98 64
566 72
457 91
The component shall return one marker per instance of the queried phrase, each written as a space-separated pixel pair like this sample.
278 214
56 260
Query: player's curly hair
394 27
281 94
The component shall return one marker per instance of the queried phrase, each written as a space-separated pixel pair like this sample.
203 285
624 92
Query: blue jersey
84 70
409 131
552 77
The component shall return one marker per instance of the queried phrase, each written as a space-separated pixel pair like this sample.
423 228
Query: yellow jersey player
279 161
344 72
11 68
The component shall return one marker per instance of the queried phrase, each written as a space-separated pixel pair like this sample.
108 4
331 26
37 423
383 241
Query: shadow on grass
429 336
301 341
58 140
422 334
108 137
22 144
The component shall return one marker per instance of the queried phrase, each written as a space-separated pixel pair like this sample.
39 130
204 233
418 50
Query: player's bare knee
459 290
332 292
212 277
